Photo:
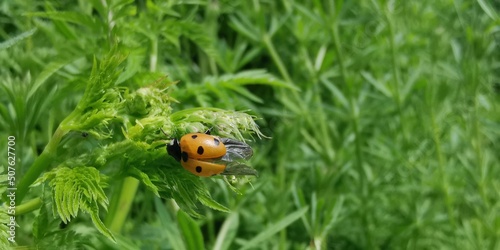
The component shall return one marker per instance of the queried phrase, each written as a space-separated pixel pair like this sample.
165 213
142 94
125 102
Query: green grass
383 116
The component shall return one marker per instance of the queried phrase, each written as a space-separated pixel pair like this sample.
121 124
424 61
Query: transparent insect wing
239 169
236 150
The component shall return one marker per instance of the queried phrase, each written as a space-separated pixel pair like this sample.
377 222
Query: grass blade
13 41
227 232
171 231
190 230
275 228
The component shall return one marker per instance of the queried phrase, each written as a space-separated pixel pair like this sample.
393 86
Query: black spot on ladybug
216 141
198 169
184 156
200 150
194 136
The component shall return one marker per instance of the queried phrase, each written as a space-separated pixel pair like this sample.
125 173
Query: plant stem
153 56
396 77
442 165
41 164
354 113
28 206
120 205
436 137
284 73
276 58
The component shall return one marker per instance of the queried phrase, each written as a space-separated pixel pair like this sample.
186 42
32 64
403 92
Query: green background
383 116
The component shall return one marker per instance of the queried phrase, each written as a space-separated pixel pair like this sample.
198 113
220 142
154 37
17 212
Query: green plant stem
211 227
40 164
476 144
396 77
28 206
276 58
432 102
122 201
153 56
283 240
476 141
354 113
284 73
120 205
442 165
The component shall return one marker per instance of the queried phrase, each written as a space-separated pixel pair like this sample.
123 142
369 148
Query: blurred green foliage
383 117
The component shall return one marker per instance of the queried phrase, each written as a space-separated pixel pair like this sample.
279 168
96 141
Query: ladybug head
174 149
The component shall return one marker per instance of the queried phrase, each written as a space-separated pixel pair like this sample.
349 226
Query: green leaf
229 124
48 71
199 35
78 188
168 225
246 93
190 231
308 12
103 76
4 229
488 9
377 84
274 229
256 76
94 214
11 42
144 178
67 16
206 200
300 202
227 232
244 26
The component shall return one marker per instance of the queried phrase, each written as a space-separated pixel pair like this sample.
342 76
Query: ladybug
201 146
207 155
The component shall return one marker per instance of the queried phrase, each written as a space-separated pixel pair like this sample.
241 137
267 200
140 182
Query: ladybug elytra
207 155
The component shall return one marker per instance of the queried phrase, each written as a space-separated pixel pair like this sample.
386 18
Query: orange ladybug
207 155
